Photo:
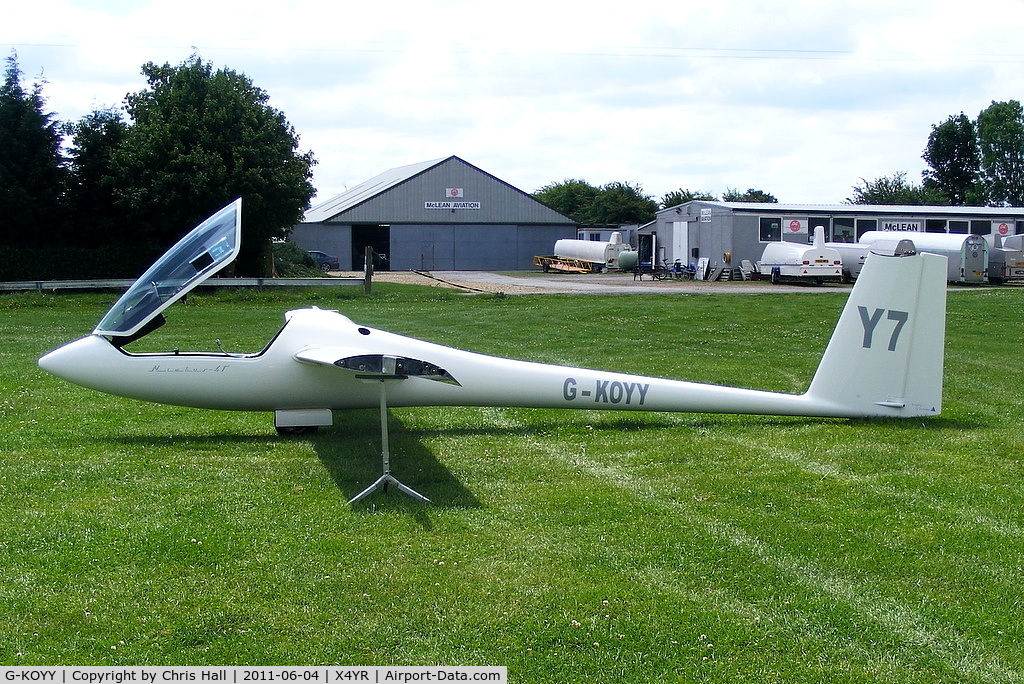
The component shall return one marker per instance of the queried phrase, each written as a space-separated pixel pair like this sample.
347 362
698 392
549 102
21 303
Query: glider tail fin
885 357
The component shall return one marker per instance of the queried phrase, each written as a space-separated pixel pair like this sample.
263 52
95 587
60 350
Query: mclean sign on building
914 226
451 205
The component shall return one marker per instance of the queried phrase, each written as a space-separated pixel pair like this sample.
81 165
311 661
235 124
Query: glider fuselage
283 377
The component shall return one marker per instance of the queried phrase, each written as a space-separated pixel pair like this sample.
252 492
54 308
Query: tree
1001 144
622 203
751 195
894 190
200 138
952 154
611 204
90 192
572 197
31 168
681 196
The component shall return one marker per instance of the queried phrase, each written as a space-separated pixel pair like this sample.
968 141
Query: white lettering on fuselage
607 392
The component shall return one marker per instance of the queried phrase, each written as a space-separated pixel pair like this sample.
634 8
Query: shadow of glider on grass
885 358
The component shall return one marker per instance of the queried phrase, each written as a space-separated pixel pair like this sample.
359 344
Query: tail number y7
871 322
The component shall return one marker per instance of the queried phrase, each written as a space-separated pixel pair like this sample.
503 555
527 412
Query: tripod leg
384 447
387 478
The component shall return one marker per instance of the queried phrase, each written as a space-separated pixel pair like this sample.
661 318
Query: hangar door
371 235
423 247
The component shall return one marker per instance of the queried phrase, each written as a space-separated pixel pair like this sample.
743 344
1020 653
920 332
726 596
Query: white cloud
800 98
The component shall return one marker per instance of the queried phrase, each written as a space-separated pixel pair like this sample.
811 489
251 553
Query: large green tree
682 196
751 195
90 191
953 158
200 138
622 203
572 197
894 189
1001 142
611 204
31 168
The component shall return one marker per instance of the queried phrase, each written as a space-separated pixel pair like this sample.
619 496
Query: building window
815 221
935 225
595 237
959 227
770 229
981 227
843 229
864 225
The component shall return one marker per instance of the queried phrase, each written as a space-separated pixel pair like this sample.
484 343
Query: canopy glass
211 246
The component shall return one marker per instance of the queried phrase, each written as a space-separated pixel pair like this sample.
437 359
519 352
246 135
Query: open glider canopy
209 247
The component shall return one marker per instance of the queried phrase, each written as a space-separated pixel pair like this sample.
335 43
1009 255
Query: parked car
326 262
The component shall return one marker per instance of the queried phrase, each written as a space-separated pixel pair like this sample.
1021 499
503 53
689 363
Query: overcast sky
799 98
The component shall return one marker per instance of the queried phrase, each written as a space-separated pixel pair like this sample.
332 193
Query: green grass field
568 546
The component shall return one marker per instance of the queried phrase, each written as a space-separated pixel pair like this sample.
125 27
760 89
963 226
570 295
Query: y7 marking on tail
871 322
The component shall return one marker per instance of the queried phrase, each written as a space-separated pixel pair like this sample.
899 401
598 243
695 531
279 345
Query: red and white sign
796 226
453 192
1003 229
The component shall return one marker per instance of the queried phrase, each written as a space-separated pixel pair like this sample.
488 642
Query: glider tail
885 357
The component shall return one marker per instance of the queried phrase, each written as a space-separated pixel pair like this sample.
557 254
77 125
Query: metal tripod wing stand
387 478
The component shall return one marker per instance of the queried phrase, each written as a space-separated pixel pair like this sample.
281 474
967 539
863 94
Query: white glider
885 358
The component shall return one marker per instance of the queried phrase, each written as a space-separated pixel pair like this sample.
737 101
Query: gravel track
536 282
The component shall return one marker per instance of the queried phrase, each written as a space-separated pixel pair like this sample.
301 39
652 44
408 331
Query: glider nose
80 362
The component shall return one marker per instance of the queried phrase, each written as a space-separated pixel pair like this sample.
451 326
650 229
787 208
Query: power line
609 51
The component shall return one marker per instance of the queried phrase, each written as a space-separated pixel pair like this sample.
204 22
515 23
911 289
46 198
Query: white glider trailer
794 261
966 255
589 256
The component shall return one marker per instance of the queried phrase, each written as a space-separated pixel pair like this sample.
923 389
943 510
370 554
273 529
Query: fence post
368 270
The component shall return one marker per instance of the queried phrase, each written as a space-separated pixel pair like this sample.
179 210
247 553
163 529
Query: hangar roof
857 208
420 193
365 190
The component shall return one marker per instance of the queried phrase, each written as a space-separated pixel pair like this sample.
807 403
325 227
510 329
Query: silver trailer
1005 258
853 254
966 255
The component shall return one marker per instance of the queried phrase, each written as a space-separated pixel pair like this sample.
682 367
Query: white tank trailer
966 255
853 254
611 255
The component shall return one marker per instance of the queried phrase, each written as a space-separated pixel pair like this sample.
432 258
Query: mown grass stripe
966 657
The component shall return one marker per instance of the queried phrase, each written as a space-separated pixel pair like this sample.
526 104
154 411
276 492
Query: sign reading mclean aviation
885 358
451 205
